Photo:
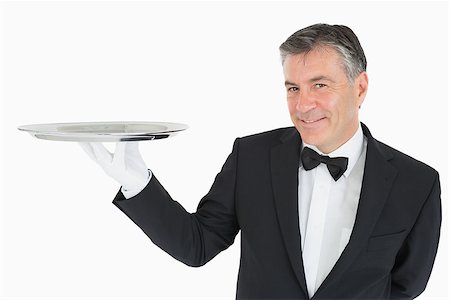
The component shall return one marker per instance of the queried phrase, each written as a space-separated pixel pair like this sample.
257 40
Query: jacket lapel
378 178
284 162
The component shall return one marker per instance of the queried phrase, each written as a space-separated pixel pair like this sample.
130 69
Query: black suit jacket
391 249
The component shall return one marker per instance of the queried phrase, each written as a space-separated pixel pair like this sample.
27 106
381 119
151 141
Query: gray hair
339 37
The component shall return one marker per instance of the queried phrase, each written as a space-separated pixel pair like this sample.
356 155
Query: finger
135 161
119 153
133 148
101 153
88 149
133 155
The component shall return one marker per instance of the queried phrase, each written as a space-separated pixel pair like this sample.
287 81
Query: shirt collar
351 149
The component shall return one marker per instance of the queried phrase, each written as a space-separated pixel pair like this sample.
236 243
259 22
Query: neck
328 150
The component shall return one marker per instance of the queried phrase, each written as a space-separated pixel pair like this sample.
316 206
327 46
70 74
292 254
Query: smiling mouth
312 121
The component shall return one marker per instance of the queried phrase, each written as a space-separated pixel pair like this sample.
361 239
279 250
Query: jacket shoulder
401 161
406 162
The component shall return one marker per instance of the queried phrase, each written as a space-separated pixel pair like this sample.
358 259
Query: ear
361 87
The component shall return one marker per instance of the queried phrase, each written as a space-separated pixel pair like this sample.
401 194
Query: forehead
323 61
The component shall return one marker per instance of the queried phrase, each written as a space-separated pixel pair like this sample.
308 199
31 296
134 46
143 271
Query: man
325 210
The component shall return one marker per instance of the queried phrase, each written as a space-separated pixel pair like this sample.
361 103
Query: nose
305 102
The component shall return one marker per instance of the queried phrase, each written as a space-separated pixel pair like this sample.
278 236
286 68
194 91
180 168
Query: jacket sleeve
416 257
195 238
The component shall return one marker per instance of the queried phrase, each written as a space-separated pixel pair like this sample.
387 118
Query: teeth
310 121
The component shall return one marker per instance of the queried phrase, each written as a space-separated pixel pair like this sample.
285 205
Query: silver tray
103 131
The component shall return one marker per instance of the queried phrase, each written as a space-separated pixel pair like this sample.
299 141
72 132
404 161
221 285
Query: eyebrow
321 77
287 82
314 79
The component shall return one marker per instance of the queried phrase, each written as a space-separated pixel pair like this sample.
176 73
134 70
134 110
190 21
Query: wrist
130 191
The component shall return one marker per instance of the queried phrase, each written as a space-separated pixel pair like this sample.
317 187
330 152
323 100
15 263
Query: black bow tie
336 165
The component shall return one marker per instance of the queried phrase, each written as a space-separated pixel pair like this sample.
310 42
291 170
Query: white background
214 66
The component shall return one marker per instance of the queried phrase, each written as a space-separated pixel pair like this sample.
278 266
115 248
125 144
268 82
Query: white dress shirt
327 209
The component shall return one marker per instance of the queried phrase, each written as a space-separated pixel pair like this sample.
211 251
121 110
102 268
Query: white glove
125 165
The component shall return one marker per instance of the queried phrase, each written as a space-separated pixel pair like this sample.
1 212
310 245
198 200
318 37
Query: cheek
291 106
350 108
328 105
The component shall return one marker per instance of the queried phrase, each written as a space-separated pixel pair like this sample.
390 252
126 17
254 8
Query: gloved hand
125 165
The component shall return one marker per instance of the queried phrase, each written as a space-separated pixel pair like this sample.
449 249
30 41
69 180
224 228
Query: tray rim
50 133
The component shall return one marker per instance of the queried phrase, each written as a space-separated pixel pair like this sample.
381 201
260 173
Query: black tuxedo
391 249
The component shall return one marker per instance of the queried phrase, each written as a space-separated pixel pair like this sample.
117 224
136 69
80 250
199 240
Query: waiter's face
322 102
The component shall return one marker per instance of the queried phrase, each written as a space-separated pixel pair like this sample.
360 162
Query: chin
312 142
310 138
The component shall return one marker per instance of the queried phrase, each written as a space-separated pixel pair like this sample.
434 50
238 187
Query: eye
319 85
292 89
